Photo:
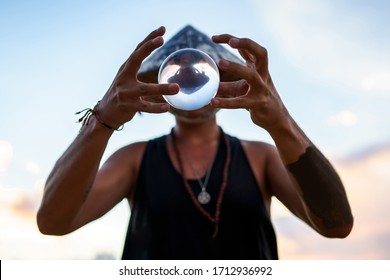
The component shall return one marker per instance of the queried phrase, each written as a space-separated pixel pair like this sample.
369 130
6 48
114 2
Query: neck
197 133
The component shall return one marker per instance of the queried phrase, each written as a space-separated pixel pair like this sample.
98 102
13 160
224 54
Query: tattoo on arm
323 191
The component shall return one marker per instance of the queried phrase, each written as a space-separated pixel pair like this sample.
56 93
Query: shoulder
259 155
124 165
263 156
137 149
125 162
133 153
258 149
255 150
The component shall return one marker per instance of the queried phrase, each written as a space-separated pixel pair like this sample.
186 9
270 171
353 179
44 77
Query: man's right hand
127 95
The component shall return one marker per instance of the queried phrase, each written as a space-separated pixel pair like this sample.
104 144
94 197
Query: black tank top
165 223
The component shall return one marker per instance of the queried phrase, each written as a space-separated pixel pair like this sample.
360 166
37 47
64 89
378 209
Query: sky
329 60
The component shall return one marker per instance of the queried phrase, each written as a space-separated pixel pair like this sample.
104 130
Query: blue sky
330 61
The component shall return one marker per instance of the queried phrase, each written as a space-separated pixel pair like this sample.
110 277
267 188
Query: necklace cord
203 185
214 219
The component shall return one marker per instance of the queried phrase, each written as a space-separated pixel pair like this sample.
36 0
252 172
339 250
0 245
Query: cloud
20 238
343 118
379 81
20 203
6 155
327 45
32 167
367 180
25 205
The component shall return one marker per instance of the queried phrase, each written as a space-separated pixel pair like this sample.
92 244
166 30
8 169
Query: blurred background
330 61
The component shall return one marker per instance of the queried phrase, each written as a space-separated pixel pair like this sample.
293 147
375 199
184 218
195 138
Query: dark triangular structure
188 37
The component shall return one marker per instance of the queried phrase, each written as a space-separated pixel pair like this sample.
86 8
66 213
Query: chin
195 116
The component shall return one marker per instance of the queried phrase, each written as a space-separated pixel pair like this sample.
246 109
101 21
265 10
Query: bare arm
76 192
310 176
71 180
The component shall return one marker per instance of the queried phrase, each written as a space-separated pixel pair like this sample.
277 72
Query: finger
230 103
137 57
154 99
248 74
232 89
225 89
151 107
145 89
222 38
253 49
244 55
143 50
241 44
249 45
155 33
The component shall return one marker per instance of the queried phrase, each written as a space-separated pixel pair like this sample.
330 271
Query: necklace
203 197
215 218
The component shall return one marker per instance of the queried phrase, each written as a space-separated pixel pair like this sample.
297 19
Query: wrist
94 126
88 113
290 140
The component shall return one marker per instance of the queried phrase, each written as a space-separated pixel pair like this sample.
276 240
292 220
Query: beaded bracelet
94 112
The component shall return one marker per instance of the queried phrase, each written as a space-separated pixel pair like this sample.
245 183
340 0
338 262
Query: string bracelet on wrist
94 112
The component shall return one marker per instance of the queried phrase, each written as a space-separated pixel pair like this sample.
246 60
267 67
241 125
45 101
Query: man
196 193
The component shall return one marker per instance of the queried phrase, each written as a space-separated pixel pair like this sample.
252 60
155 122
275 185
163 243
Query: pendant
204 197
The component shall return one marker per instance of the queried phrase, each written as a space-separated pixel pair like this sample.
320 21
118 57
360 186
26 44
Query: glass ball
197 75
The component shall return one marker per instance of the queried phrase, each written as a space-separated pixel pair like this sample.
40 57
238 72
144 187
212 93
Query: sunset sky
330 61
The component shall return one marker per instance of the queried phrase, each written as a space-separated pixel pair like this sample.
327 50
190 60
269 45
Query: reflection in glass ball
197 75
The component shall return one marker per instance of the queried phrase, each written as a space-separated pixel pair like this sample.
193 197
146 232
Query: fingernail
173 88
233 42
164 107
215 102
158 40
